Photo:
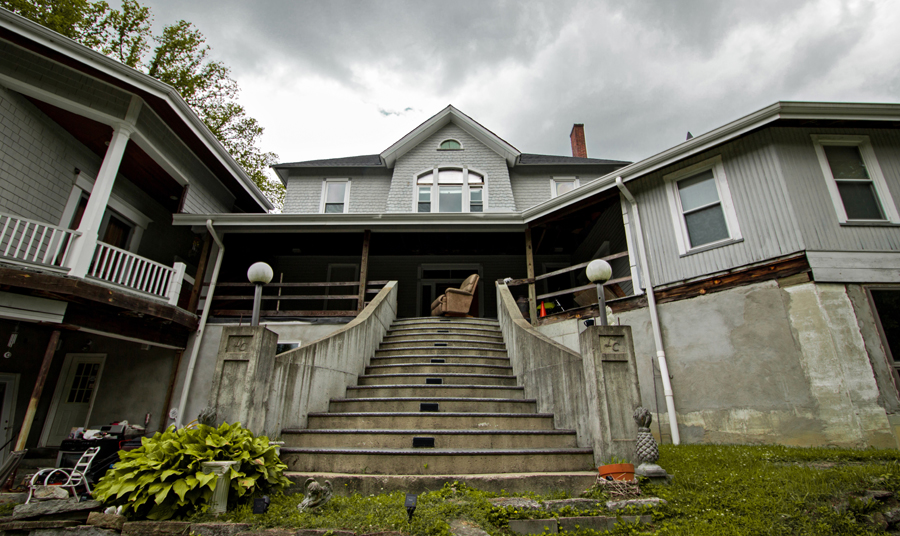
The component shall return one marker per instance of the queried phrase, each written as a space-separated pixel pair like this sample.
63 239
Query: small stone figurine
316 495
646 450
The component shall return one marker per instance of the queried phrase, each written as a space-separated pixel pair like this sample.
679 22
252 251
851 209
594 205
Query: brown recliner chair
456 301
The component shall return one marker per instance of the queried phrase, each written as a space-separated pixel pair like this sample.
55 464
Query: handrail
39 247
122 267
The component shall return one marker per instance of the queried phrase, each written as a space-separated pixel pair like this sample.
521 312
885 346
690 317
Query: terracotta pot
619 471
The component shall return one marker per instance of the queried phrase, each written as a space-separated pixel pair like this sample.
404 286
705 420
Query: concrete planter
618 471
222 470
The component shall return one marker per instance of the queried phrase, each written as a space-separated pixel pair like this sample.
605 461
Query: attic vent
450 145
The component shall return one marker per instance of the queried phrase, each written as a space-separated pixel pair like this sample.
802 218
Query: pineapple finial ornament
646 450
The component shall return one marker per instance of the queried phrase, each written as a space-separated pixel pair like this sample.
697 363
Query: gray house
757 263
98 287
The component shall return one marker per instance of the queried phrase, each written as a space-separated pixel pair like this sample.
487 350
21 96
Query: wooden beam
201 273
583 287
38 389
97 293
529 265
240 312
292 297
363 270
126 325
516 282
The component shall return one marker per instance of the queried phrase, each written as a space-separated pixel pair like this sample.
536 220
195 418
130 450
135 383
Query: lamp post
259 274
598 272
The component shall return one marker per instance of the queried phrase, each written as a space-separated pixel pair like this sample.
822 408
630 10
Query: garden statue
316 495
646 450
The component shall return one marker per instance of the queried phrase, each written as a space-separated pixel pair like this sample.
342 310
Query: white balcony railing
124 268
34 242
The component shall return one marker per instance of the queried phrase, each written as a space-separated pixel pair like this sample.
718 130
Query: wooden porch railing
589 310
121 267
281 298
34 242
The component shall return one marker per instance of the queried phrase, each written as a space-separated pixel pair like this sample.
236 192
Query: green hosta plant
163 478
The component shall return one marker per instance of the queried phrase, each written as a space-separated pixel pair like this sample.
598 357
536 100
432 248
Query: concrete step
446 335
445 390
442 343
446 319
437 378
346 484
432 404
439 368
437 461
443 439
431 421
447 358
413 329
441 350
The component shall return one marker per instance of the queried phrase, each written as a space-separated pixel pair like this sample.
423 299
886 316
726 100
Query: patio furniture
456 301
65 477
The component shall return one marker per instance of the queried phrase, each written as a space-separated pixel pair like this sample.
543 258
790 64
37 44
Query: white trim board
854 267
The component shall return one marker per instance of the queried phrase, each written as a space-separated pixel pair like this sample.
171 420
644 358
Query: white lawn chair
75 476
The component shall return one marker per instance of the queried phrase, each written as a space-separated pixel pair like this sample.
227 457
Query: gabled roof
366 160
440 120
787 113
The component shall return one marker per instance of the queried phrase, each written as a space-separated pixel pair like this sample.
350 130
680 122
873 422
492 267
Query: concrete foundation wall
764 364
198 396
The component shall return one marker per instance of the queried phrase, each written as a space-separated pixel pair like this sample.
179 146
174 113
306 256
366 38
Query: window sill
867 223
460 149
713 245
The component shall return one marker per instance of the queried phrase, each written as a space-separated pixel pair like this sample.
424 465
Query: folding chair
74 476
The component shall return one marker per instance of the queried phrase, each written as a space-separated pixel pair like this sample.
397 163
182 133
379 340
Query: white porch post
83 248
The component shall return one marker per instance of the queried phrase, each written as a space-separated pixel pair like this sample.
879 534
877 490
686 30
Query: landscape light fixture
261 505
411 499
598 272
259 274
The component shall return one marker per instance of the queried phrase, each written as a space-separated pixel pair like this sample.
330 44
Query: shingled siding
206 194
37 161
499 195
529 190
52 77
368 193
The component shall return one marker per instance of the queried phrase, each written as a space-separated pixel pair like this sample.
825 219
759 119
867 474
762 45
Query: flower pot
618 471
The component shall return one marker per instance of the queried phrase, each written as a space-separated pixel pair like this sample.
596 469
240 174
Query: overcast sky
339 78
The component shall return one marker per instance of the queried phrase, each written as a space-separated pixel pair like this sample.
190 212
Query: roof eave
65 46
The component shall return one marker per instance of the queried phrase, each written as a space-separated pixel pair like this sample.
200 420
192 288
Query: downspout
654 317
198 337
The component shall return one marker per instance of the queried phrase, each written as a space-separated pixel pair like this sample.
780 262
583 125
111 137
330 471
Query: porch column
82 252
529 265
363 271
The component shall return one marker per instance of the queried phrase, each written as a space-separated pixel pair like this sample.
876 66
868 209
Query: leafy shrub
164 478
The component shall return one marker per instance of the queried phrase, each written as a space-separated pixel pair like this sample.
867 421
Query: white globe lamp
259 274
599 272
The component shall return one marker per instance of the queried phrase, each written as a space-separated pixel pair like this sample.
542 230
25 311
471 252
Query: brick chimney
577 136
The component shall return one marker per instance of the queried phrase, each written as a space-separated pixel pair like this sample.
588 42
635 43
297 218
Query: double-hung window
703 213
335 196
854 179
450 190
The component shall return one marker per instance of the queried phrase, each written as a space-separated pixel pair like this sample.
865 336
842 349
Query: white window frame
325 183
882 193
678 223
439 148
435 197
559 180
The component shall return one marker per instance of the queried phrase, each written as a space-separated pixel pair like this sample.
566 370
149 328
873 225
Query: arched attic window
450 145
450 190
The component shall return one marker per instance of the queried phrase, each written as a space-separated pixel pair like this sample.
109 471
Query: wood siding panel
764 213
807 188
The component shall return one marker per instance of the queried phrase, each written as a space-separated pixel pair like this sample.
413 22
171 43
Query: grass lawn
717 490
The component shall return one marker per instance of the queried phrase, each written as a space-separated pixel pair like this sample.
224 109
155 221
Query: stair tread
433 374
433 399
419 431
394 365
443 355
430 414
433 451
438 386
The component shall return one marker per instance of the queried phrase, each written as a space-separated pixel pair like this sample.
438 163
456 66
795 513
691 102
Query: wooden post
201 274
38 389
363 271
529 262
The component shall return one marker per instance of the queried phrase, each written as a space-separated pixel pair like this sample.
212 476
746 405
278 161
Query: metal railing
34 242
121 267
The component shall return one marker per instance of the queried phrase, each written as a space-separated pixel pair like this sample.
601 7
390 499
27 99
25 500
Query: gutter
198 337
654 316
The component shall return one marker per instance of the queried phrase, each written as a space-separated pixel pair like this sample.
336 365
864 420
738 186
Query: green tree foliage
178 56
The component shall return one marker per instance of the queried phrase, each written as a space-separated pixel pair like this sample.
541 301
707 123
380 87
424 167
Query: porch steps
438 398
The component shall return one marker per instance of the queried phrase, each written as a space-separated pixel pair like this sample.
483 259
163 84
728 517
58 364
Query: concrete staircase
438 398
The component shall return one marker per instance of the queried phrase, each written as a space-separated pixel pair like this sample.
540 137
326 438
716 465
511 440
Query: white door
9 386
74 396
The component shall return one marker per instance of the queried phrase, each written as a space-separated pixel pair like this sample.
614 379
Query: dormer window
450 145
450 190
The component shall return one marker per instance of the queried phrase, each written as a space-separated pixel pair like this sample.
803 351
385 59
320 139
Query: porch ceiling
136 166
